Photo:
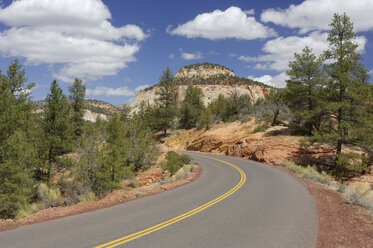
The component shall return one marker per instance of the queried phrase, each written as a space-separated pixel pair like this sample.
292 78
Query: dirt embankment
238 139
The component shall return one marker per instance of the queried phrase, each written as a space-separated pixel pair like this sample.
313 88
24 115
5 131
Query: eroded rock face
203 72
210 92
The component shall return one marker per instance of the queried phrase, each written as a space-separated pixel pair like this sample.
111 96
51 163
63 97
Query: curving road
234 203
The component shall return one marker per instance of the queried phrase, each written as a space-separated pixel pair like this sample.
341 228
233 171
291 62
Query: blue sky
119 47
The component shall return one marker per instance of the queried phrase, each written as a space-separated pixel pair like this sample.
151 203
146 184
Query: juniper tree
76 97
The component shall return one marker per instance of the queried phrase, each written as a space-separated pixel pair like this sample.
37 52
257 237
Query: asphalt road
252 205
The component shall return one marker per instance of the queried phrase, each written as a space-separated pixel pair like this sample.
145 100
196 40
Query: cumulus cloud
279 51
191 56
231 23
317 14
278 81
102 90
74 36
171 56
249 12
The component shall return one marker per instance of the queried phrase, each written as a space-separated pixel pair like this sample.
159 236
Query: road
236 203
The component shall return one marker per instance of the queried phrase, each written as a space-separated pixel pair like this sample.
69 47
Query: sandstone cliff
210 92
212 79
205 70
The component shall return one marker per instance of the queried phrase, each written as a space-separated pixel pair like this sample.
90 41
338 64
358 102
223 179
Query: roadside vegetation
358 193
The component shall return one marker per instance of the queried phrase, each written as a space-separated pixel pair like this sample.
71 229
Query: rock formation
212 79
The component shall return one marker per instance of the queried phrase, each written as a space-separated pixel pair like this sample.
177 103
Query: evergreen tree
58 131
191 107
345 91
206 118
140 149
76 97
167 100
125 113
218 107
113 161
304 88
17 152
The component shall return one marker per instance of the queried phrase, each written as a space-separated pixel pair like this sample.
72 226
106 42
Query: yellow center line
164 224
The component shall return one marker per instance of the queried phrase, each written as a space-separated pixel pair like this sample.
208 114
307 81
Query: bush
89 196
51 197
359 194
29 209
261 128
308 172
174 162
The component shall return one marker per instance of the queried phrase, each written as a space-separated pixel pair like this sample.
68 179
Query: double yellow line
162 225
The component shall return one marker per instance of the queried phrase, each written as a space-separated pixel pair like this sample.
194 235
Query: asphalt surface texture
270 208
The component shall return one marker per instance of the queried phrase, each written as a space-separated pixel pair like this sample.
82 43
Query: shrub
308 172
29 209
359 194
51 197
174 162
89 196
261 128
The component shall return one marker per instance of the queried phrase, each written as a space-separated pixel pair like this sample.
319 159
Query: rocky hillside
212 79
93 109
205 70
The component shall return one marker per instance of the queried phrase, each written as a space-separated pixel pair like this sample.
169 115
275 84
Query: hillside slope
212 79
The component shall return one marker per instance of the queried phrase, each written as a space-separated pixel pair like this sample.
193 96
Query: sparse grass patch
51 197
359 194
261 128
89 196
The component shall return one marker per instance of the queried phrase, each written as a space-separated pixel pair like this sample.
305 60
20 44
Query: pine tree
206 118
17 147
345 91
191 107
167 100
304 88
58 131
113 161
77 94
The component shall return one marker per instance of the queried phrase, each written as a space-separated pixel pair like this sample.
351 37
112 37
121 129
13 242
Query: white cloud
72 35
279 51
249 12
171 56
141 87
102 90
370 72
278 81
317 14
191 56
231 23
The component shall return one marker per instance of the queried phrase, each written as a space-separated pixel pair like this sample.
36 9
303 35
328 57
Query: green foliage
232 108
77 93
304 89
261 128
191 107
58 131
166 101
206 65
51 197
140 149
345 93
206 118
17 144
124 114
175 161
